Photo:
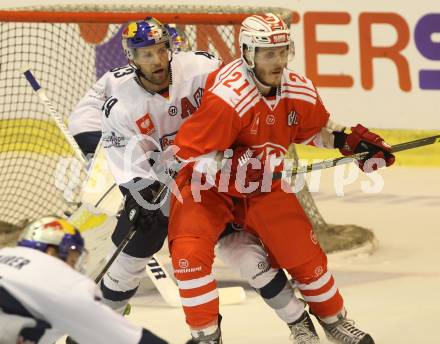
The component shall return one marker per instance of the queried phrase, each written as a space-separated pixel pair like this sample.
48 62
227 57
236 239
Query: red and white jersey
86 116
135 121
37 286
234 113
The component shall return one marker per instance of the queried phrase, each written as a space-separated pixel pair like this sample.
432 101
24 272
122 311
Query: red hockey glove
243 172
362 140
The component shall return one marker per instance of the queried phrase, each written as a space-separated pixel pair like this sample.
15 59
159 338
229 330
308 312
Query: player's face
269 64
52 251
72 255
153 61
72 258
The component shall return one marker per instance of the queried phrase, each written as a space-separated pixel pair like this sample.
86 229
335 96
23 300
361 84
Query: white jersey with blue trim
86 116
50 291
136 122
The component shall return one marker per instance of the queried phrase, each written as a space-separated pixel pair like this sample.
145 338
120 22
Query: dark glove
362 140
244 173
139 206
69 340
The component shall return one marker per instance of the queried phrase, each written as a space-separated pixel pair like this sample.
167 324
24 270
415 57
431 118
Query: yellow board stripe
43 137
34 136
427 156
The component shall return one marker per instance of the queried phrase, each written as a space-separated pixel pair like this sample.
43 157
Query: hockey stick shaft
58 119
347 159
132 216
115 254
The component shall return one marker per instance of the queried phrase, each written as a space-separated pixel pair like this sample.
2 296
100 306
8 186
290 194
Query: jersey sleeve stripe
232 66
301 91
299 95
299 86
223 76
248 105
245 96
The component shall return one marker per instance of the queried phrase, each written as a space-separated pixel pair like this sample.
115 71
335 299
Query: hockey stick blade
347 159
170 293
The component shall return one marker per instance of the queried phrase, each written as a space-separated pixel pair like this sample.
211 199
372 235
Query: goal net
68 48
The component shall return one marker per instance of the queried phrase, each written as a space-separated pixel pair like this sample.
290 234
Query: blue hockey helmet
144 33
52 231
178 38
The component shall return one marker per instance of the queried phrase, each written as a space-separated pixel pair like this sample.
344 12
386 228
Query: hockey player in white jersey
137 104
42 297
85 119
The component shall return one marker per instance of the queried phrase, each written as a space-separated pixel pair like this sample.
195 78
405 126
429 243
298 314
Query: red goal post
209 23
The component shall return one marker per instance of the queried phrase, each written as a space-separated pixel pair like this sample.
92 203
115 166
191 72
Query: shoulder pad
234 86
296 86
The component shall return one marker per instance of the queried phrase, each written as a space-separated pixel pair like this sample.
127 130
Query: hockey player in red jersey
258 107
135 107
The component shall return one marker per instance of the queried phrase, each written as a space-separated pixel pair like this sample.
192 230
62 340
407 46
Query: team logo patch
53 225
112 140
155 34
145 124
172 111
279 38
261 265
183 263
319 271
292 118
270 119
130 30
167 140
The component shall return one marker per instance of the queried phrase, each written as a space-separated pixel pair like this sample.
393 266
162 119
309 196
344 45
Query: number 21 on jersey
232 79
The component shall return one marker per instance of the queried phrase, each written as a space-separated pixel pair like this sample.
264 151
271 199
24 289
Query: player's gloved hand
362 140
69 340
243 172
139 205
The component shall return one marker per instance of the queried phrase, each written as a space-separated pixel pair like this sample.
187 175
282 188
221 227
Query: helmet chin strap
262 87
138 71
141 74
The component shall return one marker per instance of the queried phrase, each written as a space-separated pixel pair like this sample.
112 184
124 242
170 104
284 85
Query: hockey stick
347 159
79 155
170 292
132 216
53 113
108 207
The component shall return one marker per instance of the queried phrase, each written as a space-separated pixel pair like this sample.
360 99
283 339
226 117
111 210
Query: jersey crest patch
292 118
145 124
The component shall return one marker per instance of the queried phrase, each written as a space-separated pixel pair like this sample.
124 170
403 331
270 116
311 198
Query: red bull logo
130 30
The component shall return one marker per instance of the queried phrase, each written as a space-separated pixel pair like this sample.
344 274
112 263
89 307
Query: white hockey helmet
51 231
262 31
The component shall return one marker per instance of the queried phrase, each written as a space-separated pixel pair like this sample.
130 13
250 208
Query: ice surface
394 293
